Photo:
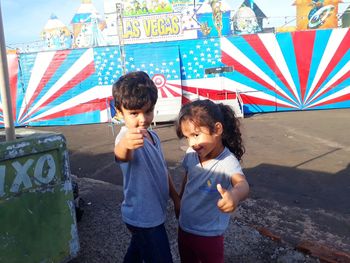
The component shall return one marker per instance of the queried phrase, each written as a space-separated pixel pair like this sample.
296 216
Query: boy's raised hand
228 202
134 138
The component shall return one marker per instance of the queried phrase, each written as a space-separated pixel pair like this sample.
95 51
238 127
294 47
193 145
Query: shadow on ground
295 205
303 205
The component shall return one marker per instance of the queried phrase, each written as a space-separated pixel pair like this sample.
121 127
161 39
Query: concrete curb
325 254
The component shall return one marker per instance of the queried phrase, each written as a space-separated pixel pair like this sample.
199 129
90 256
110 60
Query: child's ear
119 112
219 129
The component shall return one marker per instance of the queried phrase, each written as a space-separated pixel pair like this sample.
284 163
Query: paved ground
298 167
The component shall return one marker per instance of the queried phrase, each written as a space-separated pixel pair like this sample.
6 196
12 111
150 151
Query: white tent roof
54 22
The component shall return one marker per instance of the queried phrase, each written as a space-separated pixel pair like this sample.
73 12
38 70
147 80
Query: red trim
256 101
93 105
81 76
335 100
174 93
250 100
12 60
259 47
162 92
228 60
303 47
56 62
339 54
345 77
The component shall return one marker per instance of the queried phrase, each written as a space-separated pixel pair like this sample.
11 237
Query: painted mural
56 34
302 70
87 27
161 20
153 21
146 7
345 18
248 19
147 21
317 14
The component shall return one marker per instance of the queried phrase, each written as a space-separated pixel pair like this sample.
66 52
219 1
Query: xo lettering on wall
28 172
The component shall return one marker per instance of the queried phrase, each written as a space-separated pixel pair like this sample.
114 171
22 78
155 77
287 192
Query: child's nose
142 118
192 142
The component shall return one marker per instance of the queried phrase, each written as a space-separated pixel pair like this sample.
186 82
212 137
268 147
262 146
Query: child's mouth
198 149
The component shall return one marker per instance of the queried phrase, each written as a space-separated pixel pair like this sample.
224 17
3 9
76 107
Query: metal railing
240 102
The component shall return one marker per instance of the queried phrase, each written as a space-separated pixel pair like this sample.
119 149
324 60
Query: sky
23 20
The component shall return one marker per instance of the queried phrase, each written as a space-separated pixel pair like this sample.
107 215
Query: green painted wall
37 215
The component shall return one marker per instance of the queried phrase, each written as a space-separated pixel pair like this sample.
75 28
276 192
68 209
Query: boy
146 182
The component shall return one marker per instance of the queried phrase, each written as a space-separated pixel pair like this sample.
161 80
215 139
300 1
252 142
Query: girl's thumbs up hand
221 190
228 201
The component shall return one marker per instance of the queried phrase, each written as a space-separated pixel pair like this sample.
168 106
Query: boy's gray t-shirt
199 212
145 185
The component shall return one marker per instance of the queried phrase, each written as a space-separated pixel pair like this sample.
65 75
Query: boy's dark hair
134 90
205 113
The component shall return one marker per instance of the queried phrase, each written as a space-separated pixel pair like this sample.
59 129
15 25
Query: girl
214 182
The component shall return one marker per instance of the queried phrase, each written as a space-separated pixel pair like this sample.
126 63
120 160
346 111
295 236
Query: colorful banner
152 28
272 72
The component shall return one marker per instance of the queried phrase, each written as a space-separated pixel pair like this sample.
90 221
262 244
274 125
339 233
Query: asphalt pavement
298 167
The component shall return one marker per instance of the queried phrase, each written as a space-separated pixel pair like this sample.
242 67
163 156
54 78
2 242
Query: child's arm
184 182
174 196
132 140
230 198
177 201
